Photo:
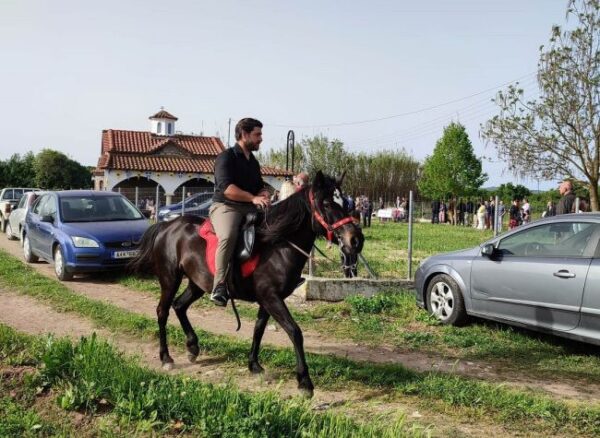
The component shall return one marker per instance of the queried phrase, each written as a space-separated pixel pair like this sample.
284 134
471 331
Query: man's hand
261 201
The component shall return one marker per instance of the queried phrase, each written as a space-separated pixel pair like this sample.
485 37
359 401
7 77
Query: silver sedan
16 220
544 276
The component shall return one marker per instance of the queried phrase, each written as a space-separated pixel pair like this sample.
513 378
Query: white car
16 220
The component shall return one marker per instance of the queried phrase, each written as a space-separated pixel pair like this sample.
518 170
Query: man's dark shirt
565 204
232 167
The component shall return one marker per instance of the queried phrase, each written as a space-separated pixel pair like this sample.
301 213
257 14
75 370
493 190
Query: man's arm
234 193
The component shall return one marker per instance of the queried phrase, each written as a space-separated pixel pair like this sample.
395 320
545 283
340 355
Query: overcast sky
72 68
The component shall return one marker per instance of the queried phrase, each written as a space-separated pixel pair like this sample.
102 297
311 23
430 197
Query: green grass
392 318
513 408
386 247
17 420
92 377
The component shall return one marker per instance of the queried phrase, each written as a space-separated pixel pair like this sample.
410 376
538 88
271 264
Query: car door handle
564 274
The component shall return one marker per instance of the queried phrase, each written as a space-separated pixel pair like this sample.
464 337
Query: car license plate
125 254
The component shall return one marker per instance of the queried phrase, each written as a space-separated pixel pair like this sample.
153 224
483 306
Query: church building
162 160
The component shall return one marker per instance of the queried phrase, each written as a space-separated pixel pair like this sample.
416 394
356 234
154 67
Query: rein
329 228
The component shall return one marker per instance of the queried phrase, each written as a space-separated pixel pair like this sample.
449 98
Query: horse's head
330 218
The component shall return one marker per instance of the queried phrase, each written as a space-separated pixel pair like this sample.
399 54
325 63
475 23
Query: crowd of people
482 214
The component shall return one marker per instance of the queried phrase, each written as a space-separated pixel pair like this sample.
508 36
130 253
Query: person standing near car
239 190
566 204
514 215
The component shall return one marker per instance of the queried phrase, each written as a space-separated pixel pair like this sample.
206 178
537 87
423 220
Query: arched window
159 127
169 128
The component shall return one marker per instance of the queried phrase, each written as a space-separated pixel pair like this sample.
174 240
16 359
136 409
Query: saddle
243 256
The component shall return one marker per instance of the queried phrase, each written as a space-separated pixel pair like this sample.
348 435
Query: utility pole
229 133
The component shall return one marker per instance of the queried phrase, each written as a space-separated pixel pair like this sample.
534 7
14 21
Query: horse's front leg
259 330
279 311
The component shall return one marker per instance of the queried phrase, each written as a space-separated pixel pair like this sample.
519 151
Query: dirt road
221 321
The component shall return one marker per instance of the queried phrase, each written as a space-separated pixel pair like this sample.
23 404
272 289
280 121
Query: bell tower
162 123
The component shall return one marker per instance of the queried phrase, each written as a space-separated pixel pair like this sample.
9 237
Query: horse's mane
284 218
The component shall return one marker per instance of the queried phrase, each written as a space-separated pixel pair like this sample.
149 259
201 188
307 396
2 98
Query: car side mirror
488 250
47 218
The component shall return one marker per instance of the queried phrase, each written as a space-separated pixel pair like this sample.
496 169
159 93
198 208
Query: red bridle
319 217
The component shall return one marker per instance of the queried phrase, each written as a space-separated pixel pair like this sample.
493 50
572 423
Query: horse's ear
340 179
319 180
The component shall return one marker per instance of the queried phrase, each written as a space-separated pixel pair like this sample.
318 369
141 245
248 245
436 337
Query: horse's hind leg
168 285
259 330
181 305
279 311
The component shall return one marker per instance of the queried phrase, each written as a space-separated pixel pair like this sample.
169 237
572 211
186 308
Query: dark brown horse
172 250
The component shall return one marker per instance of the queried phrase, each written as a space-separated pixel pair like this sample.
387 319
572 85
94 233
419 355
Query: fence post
410 229
183 200
576 205
137 196
157 203
310 263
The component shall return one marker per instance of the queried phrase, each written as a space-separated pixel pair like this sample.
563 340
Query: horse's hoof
256 369
192 357
167 366
307 392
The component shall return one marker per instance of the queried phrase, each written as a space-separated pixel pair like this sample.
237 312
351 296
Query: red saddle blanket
207 233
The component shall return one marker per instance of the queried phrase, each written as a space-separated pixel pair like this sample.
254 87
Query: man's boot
219 295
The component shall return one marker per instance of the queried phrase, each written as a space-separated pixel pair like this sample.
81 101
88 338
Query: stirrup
220 296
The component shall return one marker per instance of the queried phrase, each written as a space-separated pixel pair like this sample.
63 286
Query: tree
324 155
385 174
453 169
54 170
19 171
559 133
510 192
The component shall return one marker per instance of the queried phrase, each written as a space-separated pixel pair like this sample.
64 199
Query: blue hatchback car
82 231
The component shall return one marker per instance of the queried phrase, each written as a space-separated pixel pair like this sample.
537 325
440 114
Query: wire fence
150 199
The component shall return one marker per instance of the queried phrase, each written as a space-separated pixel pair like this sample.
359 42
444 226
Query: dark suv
195 205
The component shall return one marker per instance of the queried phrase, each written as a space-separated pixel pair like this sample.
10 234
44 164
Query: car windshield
98 209
197 199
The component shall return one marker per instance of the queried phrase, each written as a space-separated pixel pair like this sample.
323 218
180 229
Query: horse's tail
143 262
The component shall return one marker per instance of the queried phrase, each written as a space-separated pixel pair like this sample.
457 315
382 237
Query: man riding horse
239 190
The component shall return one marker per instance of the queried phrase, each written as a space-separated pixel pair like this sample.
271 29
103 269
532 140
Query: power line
329 125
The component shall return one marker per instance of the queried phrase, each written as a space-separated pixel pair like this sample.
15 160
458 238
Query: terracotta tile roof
162 114
141 151
160 163
146 142
274 171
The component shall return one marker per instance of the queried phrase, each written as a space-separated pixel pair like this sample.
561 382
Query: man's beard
251 146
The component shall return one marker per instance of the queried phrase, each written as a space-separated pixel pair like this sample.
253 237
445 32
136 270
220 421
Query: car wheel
9 233
27 253
445 300
60 265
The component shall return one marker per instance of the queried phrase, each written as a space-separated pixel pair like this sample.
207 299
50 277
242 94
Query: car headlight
163 212
84 242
